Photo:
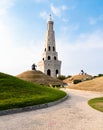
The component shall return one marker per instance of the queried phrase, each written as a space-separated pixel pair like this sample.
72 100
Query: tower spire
50 64
50 17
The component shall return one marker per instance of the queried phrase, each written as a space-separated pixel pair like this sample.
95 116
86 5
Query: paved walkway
72 114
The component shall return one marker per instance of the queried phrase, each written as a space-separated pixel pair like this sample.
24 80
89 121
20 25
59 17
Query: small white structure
50 64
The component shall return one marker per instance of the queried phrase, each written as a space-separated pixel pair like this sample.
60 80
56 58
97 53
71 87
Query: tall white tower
50 64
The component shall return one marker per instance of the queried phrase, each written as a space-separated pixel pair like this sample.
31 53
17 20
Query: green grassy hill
96 103
16 93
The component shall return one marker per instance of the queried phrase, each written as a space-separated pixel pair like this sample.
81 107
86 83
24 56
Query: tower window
49 72
49 57
43 58
57 72
53 48
45 49
55 58
49 48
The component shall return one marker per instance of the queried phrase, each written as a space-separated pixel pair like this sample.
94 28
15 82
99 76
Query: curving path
72 114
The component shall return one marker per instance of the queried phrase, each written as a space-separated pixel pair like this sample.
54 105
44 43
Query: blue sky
78 26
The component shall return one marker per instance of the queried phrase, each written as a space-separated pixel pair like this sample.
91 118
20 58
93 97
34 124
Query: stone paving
72 114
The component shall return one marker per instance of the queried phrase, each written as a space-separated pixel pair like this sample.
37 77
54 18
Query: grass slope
91 85
77 77
96 103
39 78
16 93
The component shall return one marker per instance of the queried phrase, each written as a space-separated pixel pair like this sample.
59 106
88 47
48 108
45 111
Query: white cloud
15 57
63 7
41 1
84 53
5 5
57 11
93 40
92 21
44 15
69 29
73 7
95 20
65 20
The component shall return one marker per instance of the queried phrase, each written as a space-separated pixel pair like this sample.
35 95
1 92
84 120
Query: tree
99 75
76 81
61 77
69 76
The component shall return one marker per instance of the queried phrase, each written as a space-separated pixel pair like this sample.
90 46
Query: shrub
76 81
99 75
69 76
61 77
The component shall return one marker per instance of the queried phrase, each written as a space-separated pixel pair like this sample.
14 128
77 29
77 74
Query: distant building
50 64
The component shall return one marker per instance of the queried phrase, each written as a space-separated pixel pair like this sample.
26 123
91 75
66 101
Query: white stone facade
50 64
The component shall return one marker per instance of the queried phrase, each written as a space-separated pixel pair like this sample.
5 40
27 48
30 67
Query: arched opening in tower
49 57
55 58
49 48
57 72
49 72
53 48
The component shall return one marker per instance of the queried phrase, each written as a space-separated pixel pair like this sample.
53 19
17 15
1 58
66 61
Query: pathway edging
30 108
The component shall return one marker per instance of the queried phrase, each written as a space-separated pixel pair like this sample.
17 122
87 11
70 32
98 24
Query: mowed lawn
96 103
16 93
96 85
